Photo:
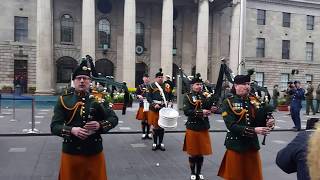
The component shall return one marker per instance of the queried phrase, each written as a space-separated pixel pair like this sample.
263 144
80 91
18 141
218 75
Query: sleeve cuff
248 131
66 131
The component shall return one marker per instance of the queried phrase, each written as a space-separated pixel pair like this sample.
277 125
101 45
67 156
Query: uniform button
83 98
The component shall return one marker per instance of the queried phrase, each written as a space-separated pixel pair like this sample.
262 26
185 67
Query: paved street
128 157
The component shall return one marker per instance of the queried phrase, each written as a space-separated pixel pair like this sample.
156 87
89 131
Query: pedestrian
80 119
241 160
197 139
293 157
313 155
158 97
142 113
126 98
309 98
297 94
275 96
318 98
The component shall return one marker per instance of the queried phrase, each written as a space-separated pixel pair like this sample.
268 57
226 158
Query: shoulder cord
197 103
241 114
74 108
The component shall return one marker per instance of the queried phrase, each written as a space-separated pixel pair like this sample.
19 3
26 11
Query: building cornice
298 3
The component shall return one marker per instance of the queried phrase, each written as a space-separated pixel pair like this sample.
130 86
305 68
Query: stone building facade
127 39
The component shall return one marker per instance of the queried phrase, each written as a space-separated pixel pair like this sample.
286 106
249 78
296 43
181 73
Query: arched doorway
105 67
65 66
141 68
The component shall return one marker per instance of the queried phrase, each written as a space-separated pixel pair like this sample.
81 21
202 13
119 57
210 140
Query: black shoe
154 147
161 147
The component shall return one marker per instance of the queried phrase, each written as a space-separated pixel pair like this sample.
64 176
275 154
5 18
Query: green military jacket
154 96
193 105
309 94
74 110
241 115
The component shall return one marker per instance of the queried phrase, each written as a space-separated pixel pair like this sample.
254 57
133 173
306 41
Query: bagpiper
79 119
142 113
241 160
197 107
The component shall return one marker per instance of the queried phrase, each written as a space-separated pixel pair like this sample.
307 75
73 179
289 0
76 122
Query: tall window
140 34
260 52
20 28
284 79
104 34
309 77
309 51
66 28
260 78
261 17
286 19
310 22
285 49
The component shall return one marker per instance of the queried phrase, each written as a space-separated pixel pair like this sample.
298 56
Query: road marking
120 122
37 122
279 120
138 145
220 120
42 113
17 150
1 116
185 120
45 110
40 117
7 113
12 120
278 127
279 142
124 128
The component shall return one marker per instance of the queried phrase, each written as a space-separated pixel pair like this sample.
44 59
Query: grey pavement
128 157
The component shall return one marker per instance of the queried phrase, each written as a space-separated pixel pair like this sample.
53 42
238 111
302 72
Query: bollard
13 109
33 130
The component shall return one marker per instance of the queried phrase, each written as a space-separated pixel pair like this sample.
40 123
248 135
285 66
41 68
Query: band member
242 160
197 140
142 114
157 97
80 119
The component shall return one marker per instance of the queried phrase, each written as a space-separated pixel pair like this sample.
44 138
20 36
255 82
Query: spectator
293 157
297 94
309 98
318 98
275 96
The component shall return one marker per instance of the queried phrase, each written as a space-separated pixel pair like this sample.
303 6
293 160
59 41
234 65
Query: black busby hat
159 73
197 79
82 69
296 82
240 79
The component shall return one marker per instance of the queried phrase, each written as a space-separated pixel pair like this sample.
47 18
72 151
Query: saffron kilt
197 142
241 166
141 115
153 118
82 167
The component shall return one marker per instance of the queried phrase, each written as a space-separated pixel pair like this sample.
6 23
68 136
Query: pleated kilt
197 142
82 167
153 118
141 115
241 166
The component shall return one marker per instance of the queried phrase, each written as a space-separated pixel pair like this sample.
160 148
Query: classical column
88 28
237 36
129 42
202 39
167 37
187 50
155 43
44 63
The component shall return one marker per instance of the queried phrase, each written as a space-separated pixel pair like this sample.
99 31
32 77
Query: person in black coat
293 158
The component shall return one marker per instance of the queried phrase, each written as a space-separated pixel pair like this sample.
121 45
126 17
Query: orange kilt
141 115
241 166
153 118
82 167
197 143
